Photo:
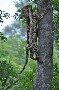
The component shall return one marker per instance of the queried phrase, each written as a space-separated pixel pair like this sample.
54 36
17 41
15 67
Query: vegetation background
12 51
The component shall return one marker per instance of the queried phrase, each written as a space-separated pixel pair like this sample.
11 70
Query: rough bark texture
45 41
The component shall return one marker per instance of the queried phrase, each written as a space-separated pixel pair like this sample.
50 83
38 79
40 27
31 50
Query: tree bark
45 46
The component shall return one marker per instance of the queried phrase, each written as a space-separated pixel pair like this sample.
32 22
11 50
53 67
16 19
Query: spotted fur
32 36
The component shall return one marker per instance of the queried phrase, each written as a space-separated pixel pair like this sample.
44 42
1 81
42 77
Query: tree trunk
45 46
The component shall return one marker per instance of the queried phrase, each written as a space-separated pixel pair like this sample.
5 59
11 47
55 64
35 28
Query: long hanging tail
27 55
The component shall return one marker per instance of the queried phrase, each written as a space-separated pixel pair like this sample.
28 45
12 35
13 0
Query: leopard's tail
27 55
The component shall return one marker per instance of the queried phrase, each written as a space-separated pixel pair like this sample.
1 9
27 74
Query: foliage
7 74
2 37
3 14
12 52
55 69
26 78
12 57
55 79
56 5
56 22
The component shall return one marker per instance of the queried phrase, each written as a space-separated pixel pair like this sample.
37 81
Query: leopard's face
25 11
